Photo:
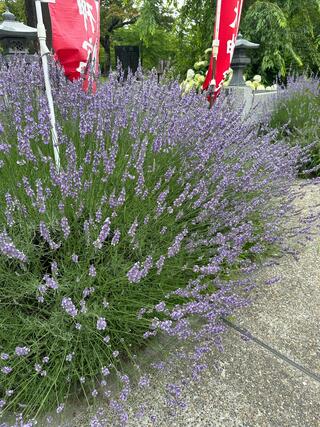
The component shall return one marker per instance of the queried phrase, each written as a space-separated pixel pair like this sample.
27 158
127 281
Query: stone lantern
15 36
241 60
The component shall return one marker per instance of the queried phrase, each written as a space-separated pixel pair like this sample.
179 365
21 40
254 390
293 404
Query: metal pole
44 51
215 50
216 42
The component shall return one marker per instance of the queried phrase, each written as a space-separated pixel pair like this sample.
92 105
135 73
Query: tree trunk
106 43
31 15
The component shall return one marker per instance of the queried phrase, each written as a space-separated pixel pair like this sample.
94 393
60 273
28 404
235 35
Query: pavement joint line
272 350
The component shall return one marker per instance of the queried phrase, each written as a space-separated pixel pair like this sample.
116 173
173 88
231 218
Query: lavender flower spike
7 248
101 324
105 230
69 307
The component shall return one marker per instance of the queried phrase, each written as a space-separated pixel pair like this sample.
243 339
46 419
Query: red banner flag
76 37
224 40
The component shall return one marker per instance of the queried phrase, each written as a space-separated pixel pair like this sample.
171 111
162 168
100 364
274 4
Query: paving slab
250 388
286 315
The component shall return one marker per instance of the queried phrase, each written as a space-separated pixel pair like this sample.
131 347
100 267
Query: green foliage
194 28
262 20
147 23
152 24
114 13
163 45
288 33
287 30
16 7
143 159
297 120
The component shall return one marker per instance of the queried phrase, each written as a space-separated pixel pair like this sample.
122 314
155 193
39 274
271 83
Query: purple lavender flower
161 306
144 381
134 274
10 209
69 307
38 368
65 227
105 230
83 306
133 228
41 202
44 232
99 215
87 292
175 248
101 324
75 258
105 371
160 264
28 188
92 271
8 249
4 356
54 267
22 351
6 370
60 408
116 238
137 272
50 282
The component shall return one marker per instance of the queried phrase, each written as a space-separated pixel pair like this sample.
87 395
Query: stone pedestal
255 106
240 98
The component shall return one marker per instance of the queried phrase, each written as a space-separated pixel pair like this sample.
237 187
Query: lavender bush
158 207
297 118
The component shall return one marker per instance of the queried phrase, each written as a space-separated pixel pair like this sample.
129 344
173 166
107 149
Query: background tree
147 16
115 14
287 30
289 35
16 7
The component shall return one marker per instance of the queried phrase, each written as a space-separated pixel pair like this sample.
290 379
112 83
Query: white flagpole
44 52
215 49
216 41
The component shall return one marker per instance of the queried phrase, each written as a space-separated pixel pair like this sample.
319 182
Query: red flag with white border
76 37
225 36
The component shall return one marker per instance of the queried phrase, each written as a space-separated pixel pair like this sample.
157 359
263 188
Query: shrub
297 118
158 206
